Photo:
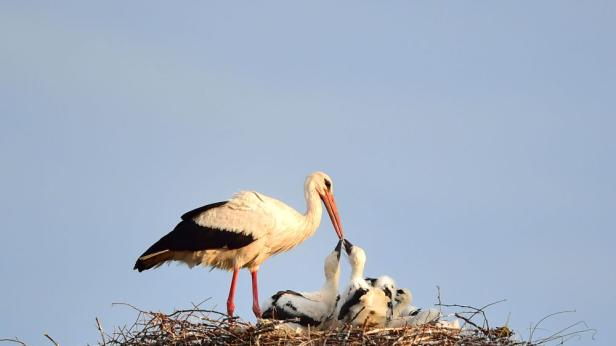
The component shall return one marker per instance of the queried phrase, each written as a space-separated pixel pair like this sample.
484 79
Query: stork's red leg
230 303
255 295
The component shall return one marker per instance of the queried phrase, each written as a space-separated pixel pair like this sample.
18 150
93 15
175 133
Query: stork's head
332 263
403 297
357 256
387 284
322 184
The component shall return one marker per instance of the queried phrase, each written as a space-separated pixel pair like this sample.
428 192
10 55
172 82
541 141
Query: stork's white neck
357 272
357 259
330 288
301 226
314 210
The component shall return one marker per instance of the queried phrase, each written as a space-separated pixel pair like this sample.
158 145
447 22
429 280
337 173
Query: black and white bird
413 316
404 314
402 300
361 303
309 308
243 232
388 286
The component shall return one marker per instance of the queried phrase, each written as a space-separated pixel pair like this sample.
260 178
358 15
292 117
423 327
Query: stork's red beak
332 210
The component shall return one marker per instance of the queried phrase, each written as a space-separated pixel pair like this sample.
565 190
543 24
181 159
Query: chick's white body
309 308
361 303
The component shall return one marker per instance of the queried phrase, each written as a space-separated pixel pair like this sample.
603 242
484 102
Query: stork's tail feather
153 260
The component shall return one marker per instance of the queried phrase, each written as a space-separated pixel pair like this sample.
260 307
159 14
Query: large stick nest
208 327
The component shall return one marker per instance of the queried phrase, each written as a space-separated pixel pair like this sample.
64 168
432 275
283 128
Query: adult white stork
243 232
309 308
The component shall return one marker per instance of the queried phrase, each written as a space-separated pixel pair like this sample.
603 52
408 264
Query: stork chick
360 303
309 308
412 316
388 286
402 300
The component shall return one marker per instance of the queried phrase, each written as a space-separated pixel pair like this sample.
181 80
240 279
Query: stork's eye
328 184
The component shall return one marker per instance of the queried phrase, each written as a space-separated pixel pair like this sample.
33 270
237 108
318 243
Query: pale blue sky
471 146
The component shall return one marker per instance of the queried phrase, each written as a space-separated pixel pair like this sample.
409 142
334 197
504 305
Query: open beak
332 210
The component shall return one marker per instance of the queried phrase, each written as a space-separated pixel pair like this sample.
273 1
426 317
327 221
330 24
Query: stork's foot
256 310
230 308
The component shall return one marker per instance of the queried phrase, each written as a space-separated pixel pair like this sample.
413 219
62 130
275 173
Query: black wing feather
280 313
277 312
371 281
193 213
346 307
279 294
189 236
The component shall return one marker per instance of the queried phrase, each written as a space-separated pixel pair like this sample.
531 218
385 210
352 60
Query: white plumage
415 317
361 303
377 301
309 308
243 232
402 299
388 286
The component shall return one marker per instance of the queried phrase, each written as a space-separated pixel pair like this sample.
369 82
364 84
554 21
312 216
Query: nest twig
198 326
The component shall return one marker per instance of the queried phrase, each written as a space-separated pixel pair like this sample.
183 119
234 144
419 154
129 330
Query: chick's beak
348 247
338 248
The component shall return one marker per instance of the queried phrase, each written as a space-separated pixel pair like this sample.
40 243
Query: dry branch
16 340
51 339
